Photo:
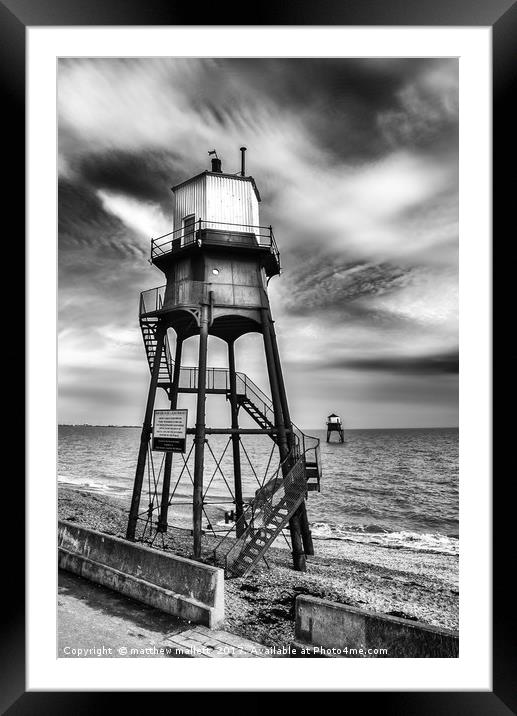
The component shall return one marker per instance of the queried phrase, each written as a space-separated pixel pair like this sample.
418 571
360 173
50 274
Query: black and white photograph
257 401
258 357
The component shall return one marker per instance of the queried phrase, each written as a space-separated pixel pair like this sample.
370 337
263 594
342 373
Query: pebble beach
416 585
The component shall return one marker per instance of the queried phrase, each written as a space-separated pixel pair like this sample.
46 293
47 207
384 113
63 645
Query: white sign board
170 430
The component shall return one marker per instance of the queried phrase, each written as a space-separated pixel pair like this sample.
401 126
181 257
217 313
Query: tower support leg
199 456
294 524
235 437
164 507
301 512
281 385
145 435
308 545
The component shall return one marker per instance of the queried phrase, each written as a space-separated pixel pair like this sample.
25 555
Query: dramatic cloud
413 365
356 161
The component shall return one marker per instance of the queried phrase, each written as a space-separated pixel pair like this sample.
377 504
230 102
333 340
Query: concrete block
327 628
176 585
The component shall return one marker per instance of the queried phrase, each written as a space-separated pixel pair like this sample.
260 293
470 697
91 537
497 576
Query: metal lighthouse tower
217 262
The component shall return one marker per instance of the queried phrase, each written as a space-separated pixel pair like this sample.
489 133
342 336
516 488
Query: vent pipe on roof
216 165
243 161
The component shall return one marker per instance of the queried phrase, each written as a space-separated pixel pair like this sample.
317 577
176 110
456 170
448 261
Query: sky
356 161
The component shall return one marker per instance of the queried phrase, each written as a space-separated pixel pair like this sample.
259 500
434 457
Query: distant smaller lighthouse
334 425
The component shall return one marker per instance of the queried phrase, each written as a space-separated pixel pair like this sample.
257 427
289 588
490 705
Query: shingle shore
260 607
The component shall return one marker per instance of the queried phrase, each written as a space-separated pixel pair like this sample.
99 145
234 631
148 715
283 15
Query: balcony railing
152 300
191 293
214 232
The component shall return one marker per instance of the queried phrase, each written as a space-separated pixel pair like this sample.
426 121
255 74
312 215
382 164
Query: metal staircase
313 475
254 412
262 521
148 327
274 503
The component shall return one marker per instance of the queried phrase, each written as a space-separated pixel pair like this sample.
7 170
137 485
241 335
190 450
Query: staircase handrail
276 481
257 516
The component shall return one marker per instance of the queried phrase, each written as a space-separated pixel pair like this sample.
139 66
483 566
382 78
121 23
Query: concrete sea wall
325 628
176 585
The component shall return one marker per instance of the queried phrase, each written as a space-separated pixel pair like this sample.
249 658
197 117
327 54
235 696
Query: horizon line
379 427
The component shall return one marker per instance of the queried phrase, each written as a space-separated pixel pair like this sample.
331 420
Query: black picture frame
501 15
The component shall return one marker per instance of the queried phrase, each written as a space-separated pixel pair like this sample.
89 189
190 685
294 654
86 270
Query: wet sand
401 582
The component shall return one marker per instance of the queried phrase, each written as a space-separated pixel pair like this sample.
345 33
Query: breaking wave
376 535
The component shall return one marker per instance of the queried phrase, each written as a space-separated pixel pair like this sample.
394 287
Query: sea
396 488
